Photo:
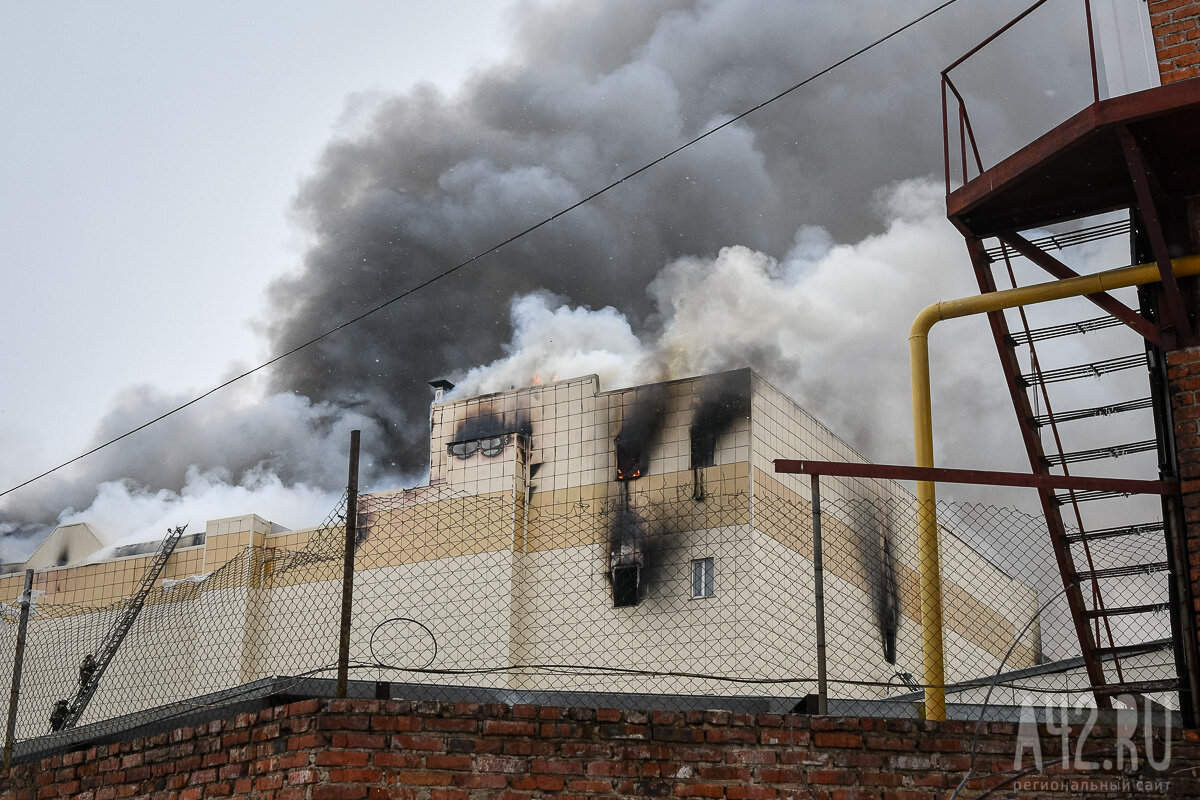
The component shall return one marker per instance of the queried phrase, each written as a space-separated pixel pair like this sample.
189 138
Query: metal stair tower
1135 153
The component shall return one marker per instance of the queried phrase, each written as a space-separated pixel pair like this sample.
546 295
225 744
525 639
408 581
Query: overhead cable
450 271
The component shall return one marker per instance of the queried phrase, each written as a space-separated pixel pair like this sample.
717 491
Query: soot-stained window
890 605
490 447
625 586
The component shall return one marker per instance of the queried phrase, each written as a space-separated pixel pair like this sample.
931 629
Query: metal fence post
819 578
343 672
18 663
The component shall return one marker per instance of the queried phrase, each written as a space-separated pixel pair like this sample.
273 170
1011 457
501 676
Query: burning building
636 540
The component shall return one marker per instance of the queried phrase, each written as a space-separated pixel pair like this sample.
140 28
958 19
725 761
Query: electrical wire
481 254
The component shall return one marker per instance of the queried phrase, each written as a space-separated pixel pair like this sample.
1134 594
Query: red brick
509 727
342 758
618 769
349 775
390 758
837 740
338 792
422 778
544 783
462 763
344 723
453 725
751 792
407 741
480 781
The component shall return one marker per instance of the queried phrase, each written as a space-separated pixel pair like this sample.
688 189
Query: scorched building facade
569 539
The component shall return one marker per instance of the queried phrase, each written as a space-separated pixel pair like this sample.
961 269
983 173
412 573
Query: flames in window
643 419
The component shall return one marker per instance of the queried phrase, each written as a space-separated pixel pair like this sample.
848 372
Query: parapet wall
380 750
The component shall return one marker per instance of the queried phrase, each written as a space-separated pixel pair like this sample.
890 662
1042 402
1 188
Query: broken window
490 447
625 582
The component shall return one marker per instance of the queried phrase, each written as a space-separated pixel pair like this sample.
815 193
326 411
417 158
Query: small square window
703 577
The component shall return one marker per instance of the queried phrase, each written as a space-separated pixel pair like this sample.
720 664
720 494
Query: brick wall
1183 377
1176 25
397 750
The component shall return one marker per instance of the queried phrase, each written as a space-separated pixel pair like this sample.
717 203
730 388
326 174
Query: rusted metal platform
1080 167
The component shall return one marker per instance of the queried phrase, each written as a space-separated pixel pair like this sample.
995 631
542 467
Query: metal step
1116 572
1125 611
1086 496
1061 241
1115 451
1134 649
1076 537
1055 331
1092 370
1085 413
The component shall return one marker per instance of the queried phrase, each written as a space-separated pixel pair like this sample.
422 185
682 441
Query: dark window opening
890 605
625 582
490 447
632 461
704 447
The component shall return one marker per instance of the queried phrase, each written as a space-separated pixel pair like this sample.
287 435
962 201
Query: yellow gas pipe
918 348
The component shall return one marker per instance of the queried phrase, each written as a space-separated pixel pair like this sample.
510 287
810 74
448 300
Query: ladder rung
1116 451
1085 413
1085 496
1125 611
1055 331
1112 533
1133 649
1114 572
1059 241
1092 370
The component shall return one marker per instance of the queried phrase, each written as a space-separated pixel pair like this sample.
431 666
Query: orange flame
537 381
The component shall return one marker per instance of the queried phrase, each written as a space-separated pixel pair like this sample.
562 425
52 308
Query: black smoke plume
723 399
417 182
592 91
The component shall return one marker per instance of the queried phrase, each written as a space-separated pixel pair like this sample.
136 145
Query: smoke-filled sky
190 188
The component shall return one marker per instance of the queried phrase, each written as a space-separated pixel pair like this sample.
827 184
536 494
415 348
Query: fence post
343 673
819 577
18 663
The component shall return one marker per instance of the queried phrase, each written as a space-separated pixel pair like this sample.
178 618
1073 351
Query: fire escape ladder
1091 616
1052 509
121 626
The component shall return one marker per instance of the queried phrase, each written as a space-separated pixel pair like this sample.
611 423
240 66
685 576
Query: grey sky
151 151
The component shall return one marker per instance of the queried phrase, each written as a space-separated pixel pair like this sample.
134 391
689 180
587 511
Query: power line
446 273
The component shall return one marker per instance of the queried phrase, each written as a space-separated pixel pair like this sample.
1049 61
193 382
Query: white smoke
828 324
124 514
243 451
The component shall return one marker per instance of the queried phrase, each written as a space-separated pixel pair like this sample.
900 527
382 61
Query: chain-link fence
639 592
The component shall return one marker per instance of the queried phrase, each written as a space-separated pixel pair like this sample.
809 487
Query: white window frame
703 578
